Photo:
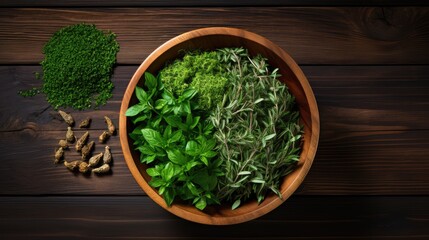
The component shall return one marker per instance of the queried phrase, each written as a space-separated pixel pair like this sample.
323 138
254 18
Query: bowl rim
309 95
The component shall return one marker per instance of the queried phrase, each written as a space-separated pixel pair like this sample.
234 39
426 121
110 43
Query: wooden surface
368 67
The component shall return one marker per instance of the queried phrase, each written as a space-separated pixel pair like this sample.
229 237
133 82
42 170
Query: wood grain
312 35
356 163
193 3
350 98
140 218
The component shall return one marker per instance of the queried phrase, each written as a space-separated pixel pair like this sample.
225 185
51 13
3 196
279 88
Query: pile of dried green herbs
78 63
216 127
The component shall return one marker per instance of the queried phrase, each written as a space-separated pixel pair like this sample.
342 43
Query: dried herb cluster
99 163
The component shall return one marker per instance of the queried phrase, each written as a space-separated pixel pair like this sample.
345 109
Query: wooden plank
140 218
35 113
193 3
350 98
312 35
357 163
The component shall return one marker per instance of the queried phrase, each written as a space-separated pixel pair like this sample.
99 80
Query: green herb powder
77 67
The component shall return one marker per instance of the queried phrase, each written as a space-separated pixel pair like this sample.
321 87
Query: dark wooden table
367 64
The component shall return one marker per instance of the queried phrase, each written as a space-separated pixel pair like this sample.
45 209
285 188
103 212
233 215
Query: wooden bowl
292 76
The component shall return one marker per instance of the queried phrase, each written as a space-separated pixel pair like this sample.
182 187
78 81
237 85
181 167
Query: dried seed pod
110 125
73 165
103 169
82 140
63 144
87 149
84 167
67 117
107 157
85 123
94 160
59 154
103 137
70 135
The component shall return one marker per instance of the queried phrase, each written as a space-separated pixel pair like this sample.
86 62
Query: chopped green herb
200 70
77 67
30 92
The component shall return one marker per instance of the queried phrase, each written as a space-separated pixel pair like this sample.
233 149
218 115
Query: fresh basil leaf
176 136
141 118
153 137
148 159
135 109
201 204
156 182
192 148
173 120
191 164
168 96
209 154
189 93
160 103
176 156
167 132
168 172
141 95
195 122
204 160
153 172
150 81
192 188
189 119
169 195
185 107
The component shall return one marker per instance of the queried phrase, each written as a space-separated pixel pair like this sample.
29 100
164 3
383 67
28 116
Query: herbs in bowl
219 126
216 127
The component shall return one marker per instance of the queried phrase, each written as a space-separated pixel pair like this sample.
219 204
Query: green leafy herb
257 130
176 140
76 70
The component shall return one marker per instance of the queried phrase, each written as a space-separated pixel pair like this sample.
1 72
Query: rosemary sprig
257 129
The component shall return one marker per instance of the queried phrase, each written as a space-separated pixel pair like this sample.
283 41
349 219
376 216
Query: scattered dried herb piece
63 143
105 168
67 118
110 125
103 137
73 165
81 141
87 149
107 156
85 123
70 135
94 160
84 167
59 154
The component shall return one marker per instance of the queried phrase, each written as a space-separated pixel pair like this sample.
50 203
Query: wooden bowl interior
291 75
